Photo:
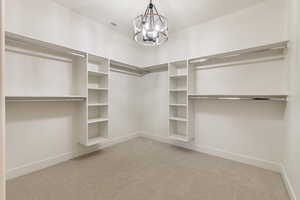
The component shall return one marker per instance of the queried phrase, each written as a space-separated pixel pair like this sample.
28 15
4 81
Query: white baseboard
288 183
38 165
220 153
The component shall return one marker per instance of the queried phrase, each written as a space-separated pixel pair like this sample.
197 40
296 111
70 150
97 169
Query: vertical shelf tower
178 101
97 112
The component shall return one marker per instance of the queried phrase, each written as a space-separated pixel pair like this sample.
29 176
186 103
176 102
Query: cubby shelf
91 121
178 76
94 88
97 104
178 105
96 140
95 73
177 90
178 119
178 137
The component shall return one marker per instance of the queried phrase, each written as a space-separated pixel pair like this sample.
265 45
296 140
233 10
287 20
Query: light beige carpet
142 169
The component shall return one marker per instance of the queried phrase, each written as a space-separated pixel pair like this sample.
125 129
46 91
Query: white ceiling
180 13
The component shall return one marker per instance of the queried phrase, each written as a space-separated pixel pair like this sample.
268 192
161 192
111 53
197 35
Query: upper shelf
282 98
232 57
272 51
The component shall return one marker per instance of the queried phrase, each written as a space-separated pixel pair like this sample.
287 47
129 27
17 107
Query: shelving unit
97 106
178 101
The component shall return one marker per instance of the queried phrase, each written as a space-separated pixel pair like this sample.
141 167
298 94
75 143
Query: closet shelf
95 73
178 105
241 97
178 76
91 121
96 140
95 88
178 119
179 137
43 98
178 90
97 104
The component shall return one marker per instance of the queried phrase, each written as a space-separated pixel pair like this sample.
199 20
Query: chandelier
151 28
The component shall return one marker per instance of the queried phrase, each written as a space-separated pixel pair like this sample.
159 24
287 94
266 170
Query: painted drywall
257 25
48 21
2 105
39 133
249 129
243 130
42 133
292 146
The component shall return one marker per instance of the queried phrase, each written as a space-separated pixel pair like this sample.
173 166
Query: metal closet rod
240 98
44 100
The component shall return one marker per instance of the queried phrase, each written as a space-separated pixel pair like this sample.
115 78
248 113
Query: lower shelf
96 140
179 138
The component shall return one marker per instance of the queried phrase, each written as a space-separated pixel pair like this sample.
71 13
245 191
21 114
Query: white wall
244 130
39 134
2 105
48 21
292 148
260 24
42 133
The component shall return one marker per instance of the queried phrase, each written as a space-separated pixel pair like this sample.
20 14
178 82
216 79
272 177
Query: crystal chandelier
150 29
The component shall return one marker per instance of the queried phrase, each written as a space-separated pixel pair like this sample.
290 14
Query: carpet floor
142 169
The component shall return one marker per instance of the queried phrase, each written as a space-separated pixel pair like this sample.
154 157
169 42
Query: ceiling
180 13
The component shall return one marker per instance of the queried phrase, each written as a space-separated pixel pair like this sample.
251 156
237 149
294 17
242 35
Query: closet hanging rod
46 100
281 98
43 98
250 61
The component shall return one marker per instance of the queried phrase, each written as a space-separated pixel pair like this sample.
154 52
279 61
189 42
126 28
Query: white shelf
95 73
94 88
179 137
91 121
178 76
97 104
96 140
178 90
178 119
179 105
